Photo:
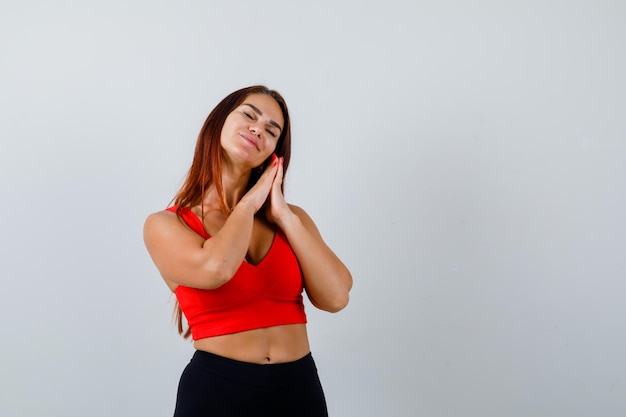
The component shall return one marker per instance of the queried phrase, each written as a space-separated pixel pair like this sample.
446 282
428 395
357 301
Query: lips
250 139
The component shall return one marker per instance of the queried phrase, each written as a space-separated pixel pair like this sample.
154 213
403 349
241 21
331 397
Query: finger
278 180
268 174
277 192
273 161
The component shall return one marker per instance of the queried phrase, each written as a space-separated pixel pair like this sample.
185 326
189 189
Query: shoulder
301 213
297 210
159 218
163 224
304 217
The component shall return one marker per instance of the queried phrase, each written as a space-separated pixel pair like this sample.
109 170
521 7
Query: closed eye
271 133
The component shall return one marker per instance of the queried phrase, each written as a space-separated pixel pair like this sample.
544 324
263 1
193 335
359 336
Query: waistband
203 356
253 373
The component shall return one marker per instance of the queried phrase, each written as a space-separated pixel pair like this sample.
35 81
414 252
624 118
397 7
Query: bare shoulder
162 214
297 210
301 213
306 220
165 225
158 220
174 247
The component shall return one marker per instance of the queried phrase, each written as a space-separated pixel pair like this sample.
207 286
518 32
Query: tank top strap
190 219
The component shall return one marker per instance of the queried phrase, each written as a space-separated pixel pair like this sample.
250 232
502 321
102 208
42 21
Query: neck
234 182
234 188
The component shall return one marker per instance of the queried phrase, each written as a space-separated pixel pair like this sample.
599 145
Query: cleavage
261 243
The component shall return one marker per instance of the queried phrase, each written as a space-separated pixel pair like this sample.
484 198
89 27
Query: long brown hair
206 168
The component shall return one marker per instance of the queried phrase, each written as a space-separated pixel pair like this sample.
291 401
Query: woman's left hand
277 208
326 278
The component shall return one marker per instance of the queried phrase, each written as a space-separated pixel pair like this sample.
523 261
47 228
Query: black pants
212 385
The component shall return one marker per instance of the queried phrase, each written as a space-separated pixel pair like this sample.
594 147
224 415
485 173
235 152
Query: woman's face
251 131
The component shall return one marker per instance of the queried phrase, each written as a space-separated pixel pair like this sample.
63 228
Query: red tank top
263 295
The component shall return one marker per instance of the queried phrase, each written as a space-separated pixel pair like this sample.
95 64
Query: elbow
334 305
339 304
216 275
337 299
342 298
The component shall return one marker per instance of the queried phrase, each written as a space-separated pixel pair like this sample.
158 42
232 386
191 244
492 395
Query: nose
254 129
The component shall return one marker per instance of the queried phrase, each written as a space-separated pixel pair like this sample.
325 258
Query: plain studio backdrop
467 161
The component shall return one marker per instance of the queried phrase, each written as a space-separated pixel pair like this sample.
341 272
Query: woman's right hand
257 195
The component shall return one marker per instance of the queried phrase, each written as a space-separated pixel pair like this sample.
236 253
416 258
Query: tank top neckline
192 217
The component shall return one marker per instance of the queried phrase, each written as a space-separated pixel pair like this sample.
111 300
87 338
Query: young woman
238 256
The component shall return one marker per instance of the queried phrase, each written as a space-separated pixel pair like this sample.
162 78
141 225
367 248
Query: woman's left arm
326 279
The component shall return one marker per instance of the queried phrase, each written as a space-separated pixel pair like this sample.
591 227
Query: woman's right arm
185 258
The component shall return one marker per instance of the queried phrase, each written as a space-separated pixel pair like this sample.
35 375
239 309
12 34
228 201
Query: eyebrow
260 113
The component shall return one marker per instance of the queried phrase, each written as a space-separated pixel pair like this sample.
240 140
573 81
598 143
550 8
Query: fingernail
274 157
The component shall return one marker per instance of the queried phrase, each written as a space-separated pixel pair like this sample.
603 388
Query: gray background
467 160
